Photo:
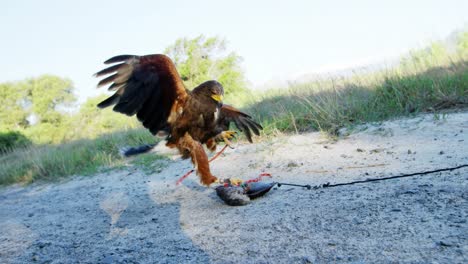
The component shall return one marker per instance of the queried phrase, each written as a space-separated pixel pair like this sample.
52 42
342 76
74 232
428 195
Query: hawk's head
210 91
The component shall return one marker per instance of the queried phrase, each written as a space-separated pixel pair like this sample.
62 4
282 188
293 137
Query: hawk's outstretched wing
148 86
243 121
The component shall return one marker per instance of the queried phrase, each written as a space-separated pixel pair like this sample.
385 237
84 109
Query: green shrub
11 140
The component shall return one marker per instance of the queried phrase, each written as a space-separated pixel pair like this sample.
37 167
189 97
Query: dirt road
126 216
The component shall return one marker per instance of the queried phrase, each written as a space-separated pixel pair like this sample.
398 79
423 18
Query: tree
47 93
202 59
33 106
13 115
39 97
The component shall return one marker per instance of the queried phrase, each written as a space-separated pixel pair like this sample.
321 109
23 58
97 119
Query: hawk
151 88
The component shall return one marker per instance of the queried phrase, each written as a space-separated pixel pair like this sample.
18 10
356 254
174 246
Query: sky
278 40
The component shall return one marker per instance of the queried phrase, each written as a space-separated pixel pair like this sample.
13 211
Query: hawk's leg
199 158
226 136
211 144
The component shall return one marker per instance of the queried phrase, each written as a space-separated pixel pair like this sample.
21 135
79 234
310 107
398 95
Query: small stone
409 151
359 150
441 153
109 259
308 259
459 221
445 244
30 215
43 244
357 222
377 150
410 192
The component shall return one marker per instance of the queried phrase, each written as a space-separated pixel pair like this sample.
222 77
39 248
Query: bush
11 140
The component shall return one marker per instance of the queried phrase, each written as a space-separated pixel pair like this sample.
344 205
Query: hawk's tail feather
131 151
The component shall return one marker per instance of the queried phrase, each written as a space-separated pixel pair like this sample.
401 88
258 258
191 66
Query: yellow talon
226 135
235 181
229 134
231 181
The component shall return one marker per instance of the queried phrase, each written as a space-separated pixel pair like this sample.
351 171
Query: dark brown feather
109 101
108 70
107 80
146 85
243 121
115 86
119 58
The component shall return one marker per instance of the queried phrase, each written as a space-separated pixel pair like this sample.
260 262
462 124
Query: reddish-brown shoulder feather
243 121
148 86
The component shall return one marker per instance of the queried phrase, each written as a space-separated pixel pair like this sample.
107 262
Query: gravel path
128 217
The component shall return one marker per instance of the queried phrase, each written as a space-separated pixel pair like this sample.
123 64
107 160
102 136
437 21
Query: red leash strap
179 181
259 178
219 153
244 183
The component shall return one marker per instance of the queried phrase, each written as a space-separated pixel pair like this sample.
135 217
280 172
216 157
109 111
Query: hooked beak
217 97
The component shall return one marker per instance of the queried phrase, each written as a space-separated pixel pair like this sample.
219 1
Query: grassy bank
49 162
330 104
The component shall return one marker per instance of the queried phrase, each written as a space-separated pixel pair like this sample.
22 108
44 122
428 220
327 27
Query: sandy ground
128 217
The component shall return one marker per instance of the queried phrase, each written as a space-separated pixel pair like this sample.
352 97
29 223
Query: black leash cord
328 185
296 185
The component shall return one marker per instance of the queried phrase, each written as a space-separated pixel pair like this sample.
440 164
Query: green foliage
11 140
46 94
202 59
13 113
38 99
